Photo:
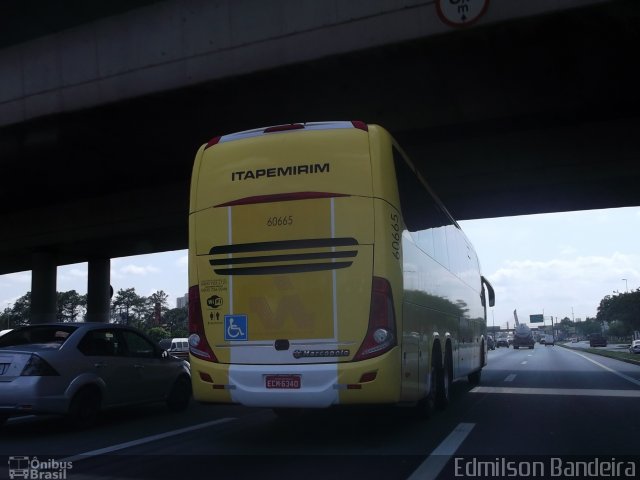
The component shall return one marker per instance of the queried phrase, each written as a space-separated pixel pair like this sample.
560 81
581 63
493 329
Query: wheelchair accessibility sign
235 327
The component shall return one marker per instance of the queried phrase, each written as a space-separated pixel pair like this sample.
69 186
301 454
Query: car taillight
38 367
198 345
381 334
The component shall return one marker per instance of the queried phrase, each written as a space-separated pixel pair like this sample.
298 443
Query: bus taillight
198 345
381 334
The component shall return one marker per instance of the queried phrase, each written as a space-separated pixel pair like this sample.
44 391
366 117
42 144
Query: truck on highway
522 335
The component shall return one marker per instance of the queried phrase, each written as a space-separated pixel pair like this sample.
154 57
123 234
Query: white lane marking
510 378
559 391
433 465
530 355
621 375
141 441
523 363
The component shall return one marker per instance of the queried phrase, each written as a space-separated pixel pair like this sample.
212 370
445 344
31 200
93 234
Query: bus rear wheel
426 407
444 379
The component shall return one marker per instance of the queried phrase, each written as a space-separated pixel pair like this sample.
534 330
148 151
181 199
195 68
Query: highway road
532 405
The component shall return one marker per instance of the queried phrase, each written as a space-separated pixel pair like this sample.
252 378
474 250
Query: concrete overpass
517 108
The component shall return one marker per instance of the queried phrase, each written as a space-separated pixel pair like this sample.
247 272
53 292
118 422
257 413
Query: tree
624 308
619 329
589 326
566 326
70 306
176 321
21 311
158 333
126 303
159 300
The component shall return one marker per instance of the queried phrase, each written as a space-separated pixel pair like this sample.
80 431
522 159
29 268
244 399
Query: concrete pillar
99 290
43 288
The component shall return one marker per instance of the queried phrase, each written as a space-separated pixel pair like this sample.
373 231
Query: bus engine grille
308 261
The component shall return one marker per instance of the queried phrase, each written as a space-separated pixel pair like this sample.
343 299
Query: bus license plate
282 381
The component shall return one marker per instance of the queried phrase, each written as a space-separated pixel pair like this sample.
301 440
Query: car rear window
53 336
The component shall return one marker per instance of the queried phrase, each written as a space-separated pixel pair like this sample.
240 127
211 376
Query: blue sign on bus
235 327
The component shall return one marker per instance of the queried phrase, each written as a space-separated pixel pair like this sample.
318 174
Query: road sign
460 13
536 319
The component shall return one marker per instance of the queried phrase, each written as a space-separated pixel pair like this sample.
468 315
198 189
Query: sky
559 265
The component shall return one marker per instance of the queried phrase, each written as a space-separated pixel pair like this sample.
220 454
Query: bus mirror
492 294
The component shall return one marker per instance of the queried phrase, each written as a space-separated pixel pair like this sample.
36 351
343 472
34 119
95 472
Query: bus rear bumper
315 387
299 386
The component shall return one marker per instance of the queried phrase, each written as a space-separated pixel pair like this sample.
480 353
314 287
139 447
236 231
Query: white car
81 369
635 347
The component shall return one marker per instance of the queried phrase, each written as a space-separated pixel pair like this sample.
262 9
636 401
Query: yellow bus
324 271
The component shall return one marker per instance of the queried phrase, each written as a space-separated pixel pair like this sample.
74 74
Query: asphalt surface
531 405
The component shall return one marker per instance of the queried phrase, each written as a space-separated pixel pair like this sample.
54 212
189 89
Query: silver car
634 347
79 369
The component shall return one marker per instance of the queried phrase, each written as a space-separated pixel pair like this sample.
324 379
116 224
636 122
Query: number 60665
280 221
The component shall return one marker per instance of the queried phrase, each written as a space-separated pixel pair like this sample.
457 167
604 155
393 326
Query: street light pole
626 286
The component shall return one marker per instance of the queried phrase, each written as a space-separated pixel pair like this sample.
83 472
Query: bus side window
421 212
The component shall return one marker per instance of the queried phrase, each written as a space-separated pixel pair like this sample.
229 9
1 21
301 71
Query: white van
178 347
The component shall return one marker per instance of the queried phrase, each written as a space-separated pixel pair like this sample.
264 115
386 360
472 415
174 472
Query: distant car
635 347
574 340
80 369
491 343
178 347
549 340
597 340
502 342
510 339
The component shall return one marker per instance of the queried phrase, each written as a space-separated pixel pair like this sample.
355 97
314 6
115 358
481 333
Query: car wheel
180 395
84 408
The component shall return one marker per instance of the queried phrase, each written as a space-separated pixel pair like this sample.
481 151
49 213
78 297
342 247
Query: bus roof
286 128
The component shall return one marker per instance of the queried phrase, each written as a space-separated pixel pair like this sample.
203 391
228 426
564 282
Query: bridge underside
532 116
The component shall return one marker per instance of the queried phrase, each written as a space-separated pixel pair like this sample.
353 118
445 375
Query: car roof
86 325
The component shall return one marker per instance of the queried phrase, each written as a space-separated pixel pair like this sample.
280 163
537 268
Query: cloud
182 262
132 269
561 284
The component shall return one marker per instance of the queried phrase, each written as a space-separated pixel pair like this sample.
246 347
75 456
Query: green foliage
619 329
589 326
18 314
177 322
158 333
624 308
127 307
71 306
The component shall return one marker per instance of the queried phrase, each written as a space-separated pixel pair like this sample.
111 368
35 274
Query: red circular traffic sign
461 13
